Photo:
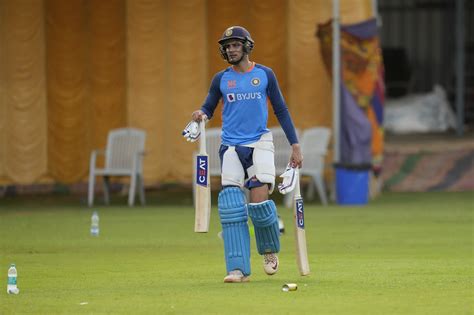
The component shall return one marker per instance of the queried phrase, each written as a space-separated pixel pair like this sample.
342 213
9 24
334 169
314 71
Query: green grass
401 254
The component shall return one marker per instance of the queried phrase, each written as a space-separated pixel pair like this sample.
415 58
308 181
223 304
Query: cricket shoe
236 276
270 263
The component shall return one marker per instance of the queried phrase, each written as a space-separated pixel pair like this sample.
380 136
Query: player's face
235 51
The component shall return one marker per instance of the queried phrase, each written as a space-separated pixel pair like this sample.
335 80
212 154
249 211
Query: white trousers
250 162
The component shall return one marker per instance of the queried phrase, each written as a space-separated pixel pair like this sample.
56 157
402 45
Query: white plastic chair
314 145
123 157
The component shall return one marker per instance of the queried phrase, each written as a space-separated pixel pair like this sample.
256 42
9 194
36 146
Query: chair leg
321 189
141 189
90 193
131 192
288 199
332 194
310 190
106 190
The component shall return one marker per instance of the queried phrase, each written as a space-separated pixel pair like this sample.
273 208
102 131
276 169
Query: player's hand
199 115
296 159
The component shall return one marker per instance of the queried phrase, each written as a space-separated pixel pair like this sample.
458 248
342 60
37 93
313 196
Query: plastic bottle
12 275
95 224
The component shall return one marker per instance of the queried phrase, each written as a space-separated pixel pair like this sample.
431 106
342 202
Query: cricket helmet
239 33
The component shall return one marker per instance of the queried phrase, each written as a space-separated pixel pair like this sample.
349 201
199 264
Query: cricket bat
300 234
202 185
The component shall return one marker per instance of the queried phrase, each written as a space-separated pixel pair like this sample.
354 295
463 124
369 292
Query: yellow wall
72 70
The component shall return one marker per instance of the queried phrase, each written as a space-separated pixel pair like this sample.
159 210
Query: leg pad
265 220
235 230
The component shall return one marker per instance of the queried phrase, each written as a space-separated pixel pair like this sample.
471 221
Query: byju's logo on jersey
300 213
232 97
202 166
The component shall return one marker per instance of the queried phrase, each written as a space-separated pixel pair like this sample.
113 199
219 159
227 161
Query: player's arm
212 99
283 115
296 158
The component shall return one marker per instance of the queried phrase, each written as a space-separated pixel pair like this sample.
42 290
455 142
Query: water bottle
95 224
11 286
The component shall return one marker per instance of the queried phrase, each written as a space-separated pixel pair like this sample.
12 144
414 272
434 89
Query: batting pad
265 220
235 230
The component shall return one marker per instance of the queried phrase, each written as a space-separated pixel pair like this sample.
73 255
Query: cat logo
255 81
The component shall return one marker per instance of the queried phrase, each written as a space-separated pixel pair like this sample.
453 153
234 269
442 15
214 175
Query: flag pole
336 81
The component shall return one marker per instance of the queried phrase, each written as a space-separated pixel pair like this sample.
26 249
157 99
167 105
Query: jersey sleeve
213 96
279 107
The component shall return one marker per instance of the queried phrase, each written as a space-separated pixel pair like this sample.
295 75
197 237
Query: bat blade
203 195
300 233
202 186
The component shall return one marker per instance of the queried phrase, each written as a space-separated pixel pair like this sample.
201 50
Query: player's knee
269 180
259 194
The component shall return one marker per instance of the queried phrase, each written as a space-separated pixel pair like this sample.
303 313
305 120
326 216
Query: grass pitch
401 254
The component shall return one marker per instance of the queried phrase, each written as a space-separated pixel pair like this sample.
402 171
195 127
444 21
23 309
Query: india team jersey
245 113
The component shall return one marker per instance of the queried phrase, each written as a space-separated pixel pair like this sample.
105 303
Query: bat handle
297 185
202 142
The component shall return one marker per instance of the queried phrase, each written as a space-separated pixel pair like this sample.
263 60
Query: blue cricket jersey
245 112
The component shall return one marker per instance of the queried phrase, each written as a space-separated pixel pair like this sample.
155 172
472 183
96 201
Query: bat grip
297 186
202 141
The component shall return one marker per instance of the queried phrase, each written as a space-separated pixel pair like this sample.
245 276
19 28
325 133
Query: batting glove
289 180
192 131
